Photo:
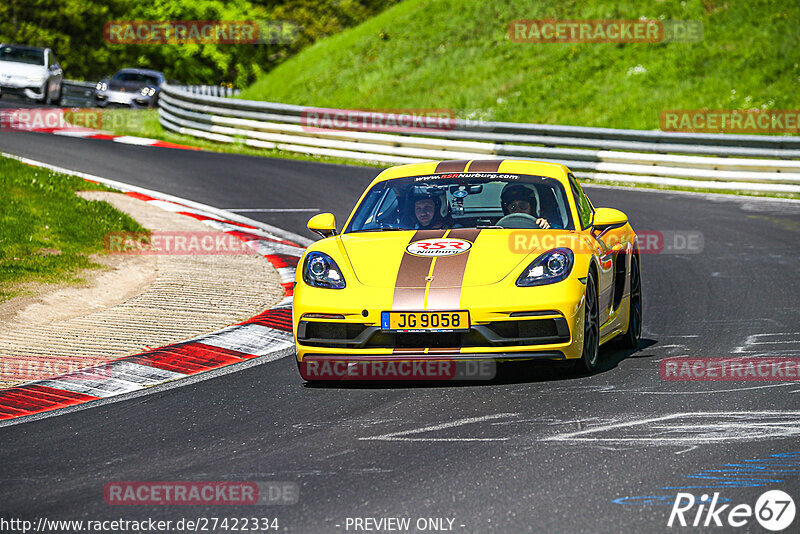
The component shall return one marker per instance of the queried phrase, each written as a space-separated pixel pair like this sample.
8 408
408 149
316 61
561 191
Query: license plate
445 321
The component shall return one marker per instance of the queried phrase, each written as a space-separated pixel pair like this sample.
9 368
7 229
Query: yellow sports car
465 261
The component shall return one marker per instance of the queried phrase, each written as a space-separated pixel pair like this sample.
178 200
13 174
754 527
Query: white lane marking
706 392
76 133
668 429
401 435
254 339
130 140
714 197
755 342
268 210
228 227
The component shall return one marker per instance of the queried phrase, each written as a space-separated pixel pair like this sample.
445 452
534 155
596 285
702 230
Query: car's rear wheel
630 340
591 329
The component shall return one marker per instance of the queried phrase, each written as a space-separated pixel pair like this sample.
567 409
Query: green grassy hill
456 54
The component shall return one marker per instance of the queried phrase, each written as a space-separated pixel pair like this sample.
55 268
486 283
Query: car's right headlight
319 270
102 86
35 78
551 267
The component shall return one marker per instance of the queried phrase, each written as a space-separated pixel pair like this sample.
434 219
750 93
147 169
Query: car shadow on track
507 372
610 358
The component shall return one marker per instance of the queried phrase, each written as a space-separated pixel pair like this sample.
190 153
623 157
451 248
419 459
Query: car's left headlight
551 267
36 78
319 270
147 91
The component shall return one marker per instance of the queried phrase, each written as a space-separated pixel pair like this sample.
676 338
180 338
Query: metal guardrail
78 94
709 161
81 94
210 90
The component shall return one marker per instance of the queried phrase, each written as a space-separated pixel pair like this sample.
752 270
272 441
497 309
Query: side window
585 210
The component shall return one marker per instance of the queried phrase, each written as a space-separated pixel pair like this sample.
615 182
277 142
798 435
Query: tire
590 355
46 96
630 339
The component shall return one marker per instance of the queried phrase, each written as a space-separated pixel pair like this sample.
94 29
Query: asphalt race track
544 453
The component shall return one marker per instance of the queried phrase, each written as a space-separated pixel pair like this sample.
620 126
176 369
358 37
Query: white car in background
31 72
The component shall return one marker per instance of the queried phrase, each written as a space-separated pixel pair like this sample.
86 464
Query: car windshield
22 55
463 200
127 77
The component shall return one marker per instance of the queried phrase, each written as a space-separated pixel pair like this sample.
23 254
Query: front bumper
506 323
123 99
33 92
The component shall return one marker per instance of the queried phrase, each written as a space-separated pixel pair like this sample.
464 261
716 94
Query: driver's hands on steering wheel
543 224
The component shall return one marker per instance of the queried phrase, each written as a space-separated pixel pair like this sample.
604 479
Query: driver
428 213
517 198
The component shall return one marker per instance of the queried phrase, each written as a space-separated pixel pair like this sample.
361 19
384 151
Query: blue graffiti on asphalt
745 474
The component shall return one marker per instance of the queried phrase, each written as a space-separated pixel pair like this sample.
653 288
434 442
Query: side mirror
323 224
609 217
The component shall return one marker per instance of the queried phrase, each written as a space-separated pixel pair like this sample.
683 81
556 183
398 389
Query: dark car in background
136 88
30 71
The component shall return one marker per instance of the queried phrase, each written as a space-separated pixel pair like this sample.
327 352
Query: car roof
141 71
506 166
24 47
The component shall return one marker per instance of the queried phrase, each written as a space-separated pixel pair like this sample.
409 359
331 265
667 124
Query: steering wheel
518 220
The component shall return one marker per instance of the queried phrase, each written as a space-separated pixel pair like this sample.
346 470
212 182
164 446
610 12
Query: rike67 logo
774 510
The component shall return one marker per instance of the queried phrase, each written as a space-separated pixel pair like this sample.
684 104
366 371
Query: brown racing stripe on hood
409 292
444 292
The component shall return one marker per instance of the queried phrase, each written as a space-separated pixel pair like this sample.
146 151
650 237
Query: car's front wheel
45 95
587 363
